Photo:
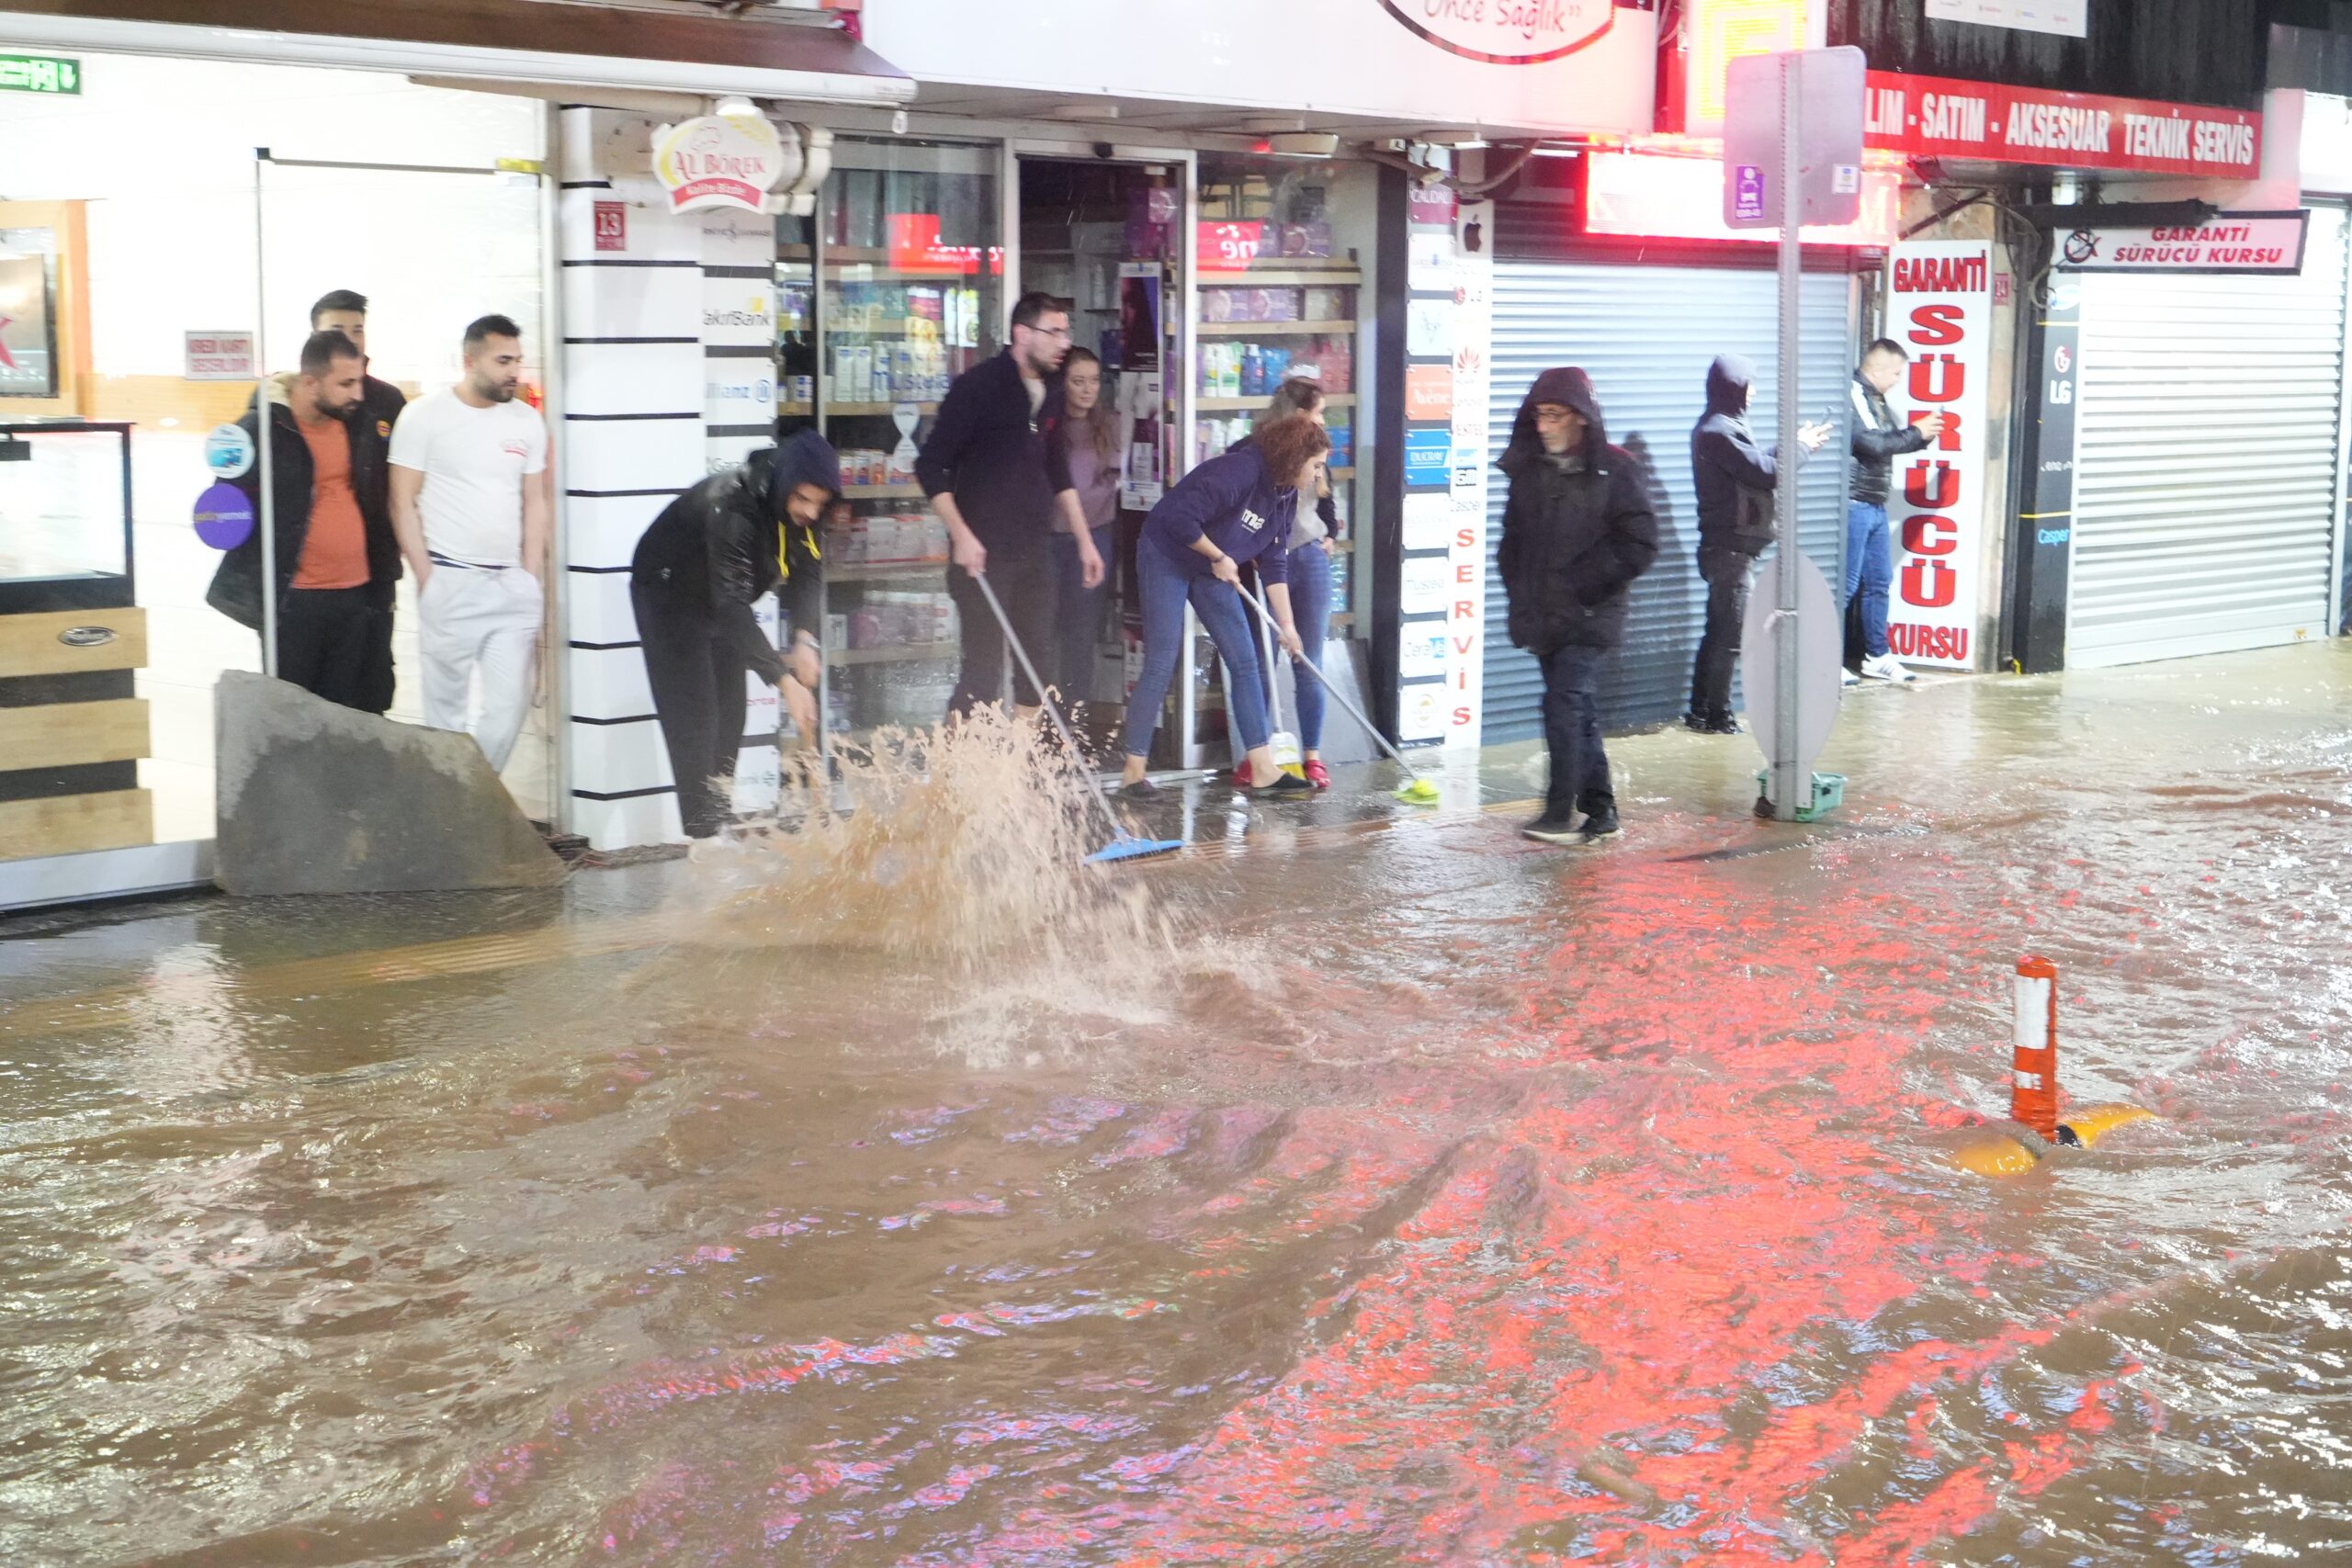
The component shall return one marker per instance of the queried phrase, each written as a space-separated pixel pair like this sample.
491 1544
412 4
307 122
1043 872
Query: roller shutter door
2207 460
1646 334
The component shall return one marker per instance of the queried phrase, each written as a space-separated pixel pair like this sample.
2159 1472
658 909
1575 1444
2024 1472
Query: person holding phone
1878 440
1736 479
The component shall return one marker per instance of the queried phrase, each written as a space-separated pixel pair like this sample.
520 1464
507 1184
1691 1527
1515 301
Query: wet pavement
1364 1185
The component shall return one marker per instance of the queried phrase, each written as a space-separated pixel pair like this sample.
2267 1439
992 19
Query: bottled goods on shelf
886 539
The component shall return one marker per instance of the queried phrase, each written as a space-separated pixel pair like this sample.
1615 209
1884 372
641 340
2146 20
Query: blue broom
1124 845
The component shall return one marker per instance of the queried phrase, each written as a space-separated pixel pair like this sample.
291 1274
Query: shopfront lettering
1943 316
1506 32
2060 128
1931 115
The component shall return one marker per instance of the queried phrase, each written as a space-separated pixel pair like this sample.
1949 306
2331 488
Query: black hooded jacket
717 548
1575 538
1735 478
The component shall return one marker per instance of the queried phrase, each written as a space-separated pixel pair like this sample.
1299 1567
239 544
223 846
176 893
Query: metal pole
268 508
1790 792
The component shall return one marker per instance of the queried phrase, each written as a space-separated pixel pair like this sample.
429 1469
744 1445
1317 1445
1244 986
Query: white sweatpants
488 620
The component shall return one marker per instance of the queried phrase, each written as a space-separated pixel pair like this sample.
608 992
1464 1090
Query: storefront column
631 440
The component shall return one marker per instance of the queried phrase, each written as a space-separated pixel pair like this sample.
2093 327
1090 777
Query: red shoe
1317 774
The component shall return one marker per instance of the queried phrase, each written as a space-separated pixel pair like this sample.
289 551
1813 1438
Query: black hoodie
1735 478
717 548
1575 534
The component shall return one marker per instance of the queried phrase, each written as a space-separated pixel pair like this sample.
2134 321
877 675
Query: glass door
904 265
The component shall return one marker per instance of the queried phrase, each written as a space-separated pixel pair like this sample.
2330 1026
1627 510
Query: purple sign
224 518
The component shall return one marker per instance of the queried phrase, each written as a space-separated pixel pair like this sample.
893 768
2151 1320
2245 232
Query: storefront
413 164
1617 262
1217 218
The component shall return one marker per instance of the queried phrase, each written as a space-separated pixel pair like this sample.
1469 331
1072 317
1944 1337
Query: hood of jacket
804 458
1729 379
1571 388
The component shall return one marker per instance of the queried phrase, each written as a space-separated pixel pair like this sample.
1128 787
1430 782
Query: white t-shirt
474 461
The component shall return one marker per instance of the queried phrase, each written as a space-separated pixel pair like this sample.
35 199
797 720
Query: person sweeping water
1232 508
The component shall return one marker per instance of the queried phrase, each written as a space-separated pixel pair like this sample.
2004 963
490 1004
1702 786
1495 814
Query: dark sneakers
1711 723
1553 827
1599 829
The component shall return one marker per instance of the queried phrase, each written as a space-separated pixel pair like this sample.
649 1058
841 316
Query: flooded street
1359 1187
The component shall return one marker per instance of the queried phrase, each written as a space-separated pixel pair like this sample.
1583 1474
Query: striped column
633 438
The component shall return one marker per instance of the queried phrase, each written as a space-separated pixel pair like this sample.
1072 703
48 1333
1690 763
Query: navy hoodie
1735 478
1236 502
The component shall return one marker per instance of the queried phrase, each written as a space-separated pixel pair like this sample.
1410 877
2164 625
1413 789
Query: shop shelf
855 411
1293 273
906 653
885 571
882 492
1273 329
1239 405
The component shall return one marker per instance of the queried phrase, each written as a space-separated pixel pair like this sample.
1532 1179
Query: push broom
1420 790
1124 845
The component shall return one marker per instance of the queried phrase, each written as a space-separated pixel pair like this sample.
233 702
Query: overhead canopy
547 43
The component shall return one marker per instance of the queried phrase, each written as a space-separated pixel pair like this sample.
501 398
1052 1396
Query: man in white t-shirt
474 518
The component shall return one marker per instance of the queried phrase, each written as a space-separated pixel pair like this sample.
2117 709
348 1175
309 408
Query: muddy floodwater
1362 1186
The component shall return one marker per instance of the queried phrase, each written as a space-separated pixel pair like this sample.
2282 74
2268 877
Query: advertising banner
2067 19
1939 308
2228 241
1935 117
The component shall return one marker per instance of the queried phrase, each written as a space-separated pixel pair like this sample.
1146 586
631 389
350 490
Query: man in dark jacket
1577 531
996 472
1736 481
698 572
336 553
1878 440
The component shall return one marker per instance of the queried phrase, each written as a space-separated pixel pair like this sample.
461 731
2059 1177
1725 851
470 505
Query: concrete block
317 798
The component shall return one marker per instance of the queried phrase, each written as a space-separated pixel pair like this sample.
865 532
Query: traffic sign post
1792 155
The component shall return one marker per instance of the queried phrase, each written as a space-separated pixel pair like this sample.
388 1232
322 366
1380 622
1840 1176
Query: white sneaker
1846 677
1885 667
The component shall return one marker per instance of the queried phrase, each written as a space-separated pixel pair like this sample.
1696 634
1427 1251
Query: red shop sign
1934 117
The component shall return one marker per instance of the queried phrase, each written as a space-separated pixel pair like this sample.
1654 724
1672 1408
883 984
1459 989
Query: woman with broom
1232 508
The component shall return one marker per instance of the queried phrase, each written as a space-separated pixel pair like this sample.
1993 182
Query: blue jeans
1572 733
1870 568
1164 589
1077 617
1310 611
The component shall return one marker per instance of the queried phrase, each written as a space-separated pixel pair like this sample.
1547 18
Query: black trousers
1572 733
1728 573
336 643
697 680
1026 586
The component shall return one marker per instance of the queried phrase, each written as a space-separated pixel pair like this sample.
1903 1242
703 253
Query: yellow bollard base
2010 1149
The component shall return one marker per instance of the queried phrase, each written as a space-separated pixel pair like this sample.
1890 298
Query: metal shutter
2207 458
1647 335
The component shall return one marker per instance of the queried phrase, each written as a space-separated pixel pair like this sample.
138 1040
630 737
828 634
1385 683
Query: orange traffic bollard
2033 1097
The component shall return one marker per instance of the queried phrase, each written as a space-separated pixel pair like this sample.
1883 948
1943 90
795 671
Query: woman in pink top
1092 438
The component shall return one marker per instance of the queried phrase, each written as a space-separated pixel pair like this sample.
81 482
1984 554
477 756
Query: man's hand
1929 425
800 702
1225 568
972 555
1812 435
1090 562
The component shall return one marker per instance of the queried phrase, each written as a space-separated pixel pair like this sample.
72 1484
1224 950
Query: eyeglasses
1561 416
1062 333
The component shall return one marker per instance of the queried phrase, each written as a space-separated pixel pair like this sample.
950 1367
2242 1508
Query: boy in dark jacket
698 572
1736 481
1578 530
335 557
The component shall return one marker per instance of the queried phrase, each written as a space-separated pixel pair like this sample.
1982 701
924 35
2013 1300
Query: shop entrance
1106 236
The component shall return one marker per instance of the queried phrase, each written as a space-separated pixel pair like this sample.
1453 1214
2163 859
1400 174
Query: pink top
1095 478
